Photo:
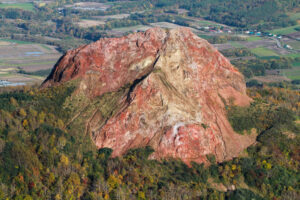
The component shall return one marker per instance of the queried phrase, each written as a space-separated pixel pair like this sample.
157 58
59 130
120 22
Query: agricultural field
236 44
25 6
295 16
167 25
199 22
253 38
10 76
221 47
294 73
264 52
86 23
295 35
106 17
123 30
30 57
90 6
294 44
285 31
270 79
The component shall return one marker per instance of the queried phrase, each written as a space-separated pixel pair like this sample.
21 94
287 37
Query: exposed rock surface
161 88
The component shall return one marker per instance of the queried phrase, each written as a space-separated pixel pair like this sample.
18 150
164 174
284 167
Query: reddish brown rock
161 88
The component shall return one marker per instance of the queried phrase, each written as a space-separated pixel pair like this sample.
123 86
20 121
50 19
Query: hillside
164 89
46 152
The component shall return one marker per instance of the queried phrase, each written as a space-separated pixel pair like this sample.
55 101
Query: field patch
270 78
253 38
236 45
165 25
293 55
284 31
10 41
23 6
295 16
264 52
294 73
130 29
295 44
34 59
106 17
4 43
90 6
86 23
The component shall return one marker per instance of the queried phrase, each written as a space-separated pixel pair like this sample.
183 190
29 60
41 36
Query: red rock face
177 84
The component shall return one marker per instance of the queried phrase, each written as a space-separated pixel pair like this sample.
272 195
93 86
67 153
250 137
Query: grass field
293 55
46 47
295 16
132 28
27 64
253 38
86 23
294 73
295 44
236 44
263 52
296 64
284 31
24 6
15 41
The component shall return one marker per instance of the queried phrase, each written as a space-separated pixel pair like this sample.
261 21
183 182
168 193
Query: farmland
28 56
25 6
263 52
294 73
86 23
253 38
284 31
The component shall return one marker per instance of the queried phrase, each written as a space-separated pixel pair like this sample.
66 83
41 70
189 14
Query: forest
41 157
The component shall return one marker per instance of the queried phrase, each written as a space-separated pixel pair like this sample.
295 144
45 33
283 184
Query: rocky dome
162 88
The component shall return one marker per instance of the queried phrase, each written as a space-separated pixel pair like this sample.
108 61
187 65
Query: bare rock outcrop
166 89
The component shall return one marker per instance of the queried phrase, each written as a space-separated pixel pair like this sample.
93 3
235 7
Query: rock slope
163 88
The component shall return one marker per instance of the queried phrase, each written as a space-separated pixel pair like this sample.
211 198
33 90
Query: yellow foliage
25 123
113 182
13 101
62 141
27 197
60 123
57 197
31 93
290 188
64 160
32 112
141 195
233 167
51 178
22 112
41 117
268 166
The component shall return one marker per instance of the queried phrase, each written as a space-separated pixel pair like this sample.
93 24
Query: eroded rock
166 89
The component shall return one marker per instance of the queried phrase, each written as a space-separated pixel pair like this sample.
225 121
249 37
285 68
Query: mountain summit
163 88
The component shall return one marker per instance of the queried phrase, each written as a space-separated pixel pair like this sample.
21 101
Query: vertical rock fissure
137 81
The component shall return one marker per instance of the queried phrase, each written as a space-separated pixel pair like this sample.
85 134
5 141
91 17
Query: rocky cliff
166 89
